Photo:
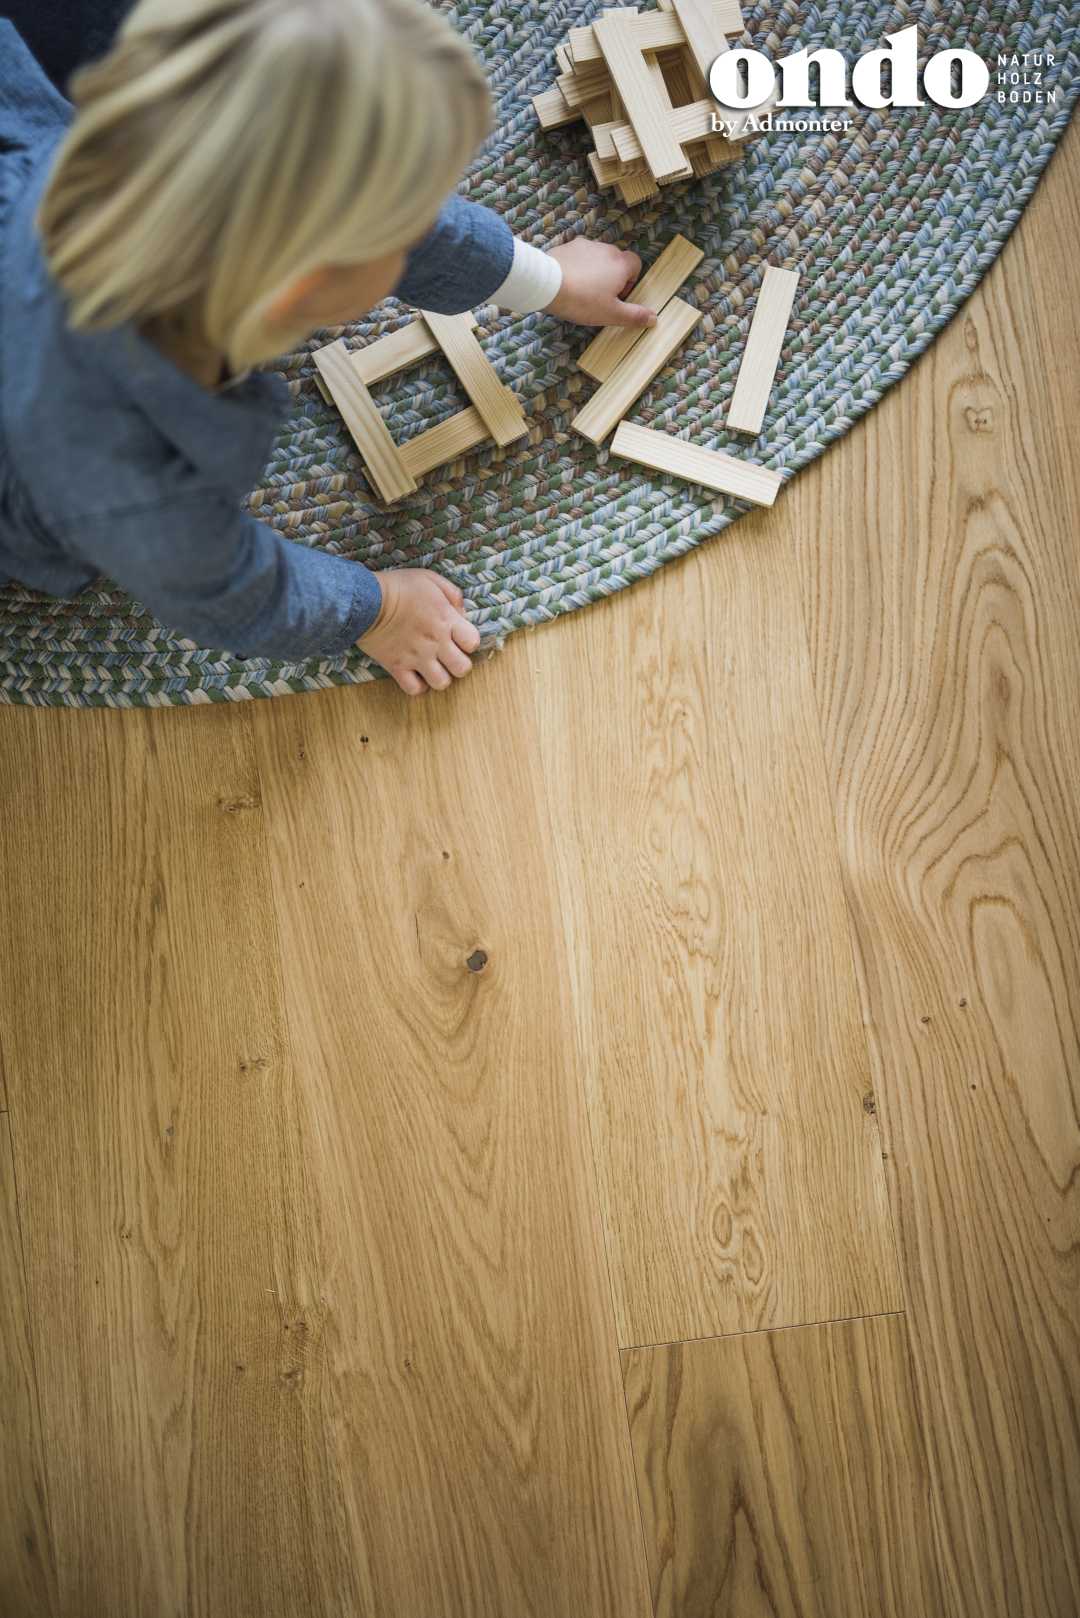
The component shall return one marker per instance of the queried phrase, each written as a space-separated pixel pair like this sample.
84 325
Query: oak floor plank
782 1475
27 1564
1046 239
170 1277
943 609
738 1152
486 1456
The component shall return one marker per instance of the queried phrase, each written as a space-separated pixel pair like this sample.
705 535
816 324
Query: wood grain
172 1291
739 1160
27 1564
943 608
632 375
382 462
1047 244
757 372
656 287
488 1468
400 349
713 469
500 408
451 438
782 1475
647 110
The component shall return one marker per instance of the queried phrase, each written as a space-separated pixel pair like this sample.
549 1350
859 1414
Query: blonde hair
224 149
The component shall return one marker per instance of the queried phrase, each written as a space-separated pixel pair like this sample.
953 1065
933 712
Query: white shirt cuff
534 279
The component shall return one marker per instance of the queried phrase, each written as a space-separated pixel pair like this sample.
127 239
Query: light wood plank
633 374
689 123
656 287
382 462
710 467
633 188
400 349
172 1290
579 89
739 1159
488 1469
654 31
782 1475
27 1564
553 110
1051 230
704 36
647 110
942 603
500 408
768 327
445 442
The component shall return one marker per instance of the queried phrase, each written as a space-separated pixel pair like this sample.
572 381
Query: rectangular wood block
656 287
758 369
708 466
553 110
499 407
655 31
633 188
445 442
584 86
643 106
400 349
632 376
382 462
689 123
704 35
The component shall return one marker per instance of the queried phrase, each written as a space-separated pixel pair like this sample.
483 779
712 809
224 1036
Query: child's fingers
448 588
410 682
635 315
466 635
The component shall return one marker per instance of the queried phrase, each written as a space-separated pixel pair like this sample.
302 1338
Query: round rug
890 224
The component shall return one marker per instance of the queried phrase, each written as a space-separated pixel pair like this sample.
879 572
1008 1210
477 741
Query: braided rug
890 224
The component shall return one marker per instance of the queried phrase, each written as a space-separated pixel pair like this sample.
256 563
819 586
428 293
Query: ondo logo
900 53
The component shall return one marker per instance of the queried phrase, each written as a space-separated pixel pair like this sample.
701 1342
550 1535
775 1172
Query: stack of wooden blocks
640 81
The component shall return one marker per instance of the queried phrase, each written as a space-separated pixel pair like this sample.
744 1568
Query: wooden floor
604 1139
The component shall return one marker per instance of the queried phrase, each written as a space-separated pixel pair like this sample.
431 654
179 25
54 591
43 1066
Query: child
236 175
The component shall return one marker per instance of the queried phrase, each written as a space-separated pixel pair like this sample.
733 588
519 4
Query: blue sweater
112 460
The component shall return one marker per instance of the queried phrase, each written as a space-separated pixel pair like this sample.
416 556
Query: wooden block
553 110
767 328
656 287
582 87
704 36
499 407
382 462
605 146
655 347
400 349
654 31
445 442
634 188
597 112
648 111
609 171
708 466
686 124
564 59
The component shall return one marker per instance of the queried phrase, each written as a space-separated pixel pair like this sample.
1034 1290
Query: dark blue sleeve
219 576
31 110
462 260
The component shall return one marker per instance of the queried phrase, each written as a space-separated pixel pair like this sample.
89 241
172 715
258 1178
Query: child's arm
471 257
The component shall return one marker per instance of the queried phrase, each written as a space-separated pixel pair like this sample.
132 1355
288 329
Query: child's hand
421 635
596 277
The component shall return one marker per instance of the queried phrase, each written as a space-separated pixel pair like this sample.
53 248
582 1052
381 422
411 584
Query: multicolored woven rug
890 225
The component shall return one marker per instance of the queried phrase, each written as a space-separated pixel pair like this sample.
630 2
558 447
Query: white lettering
795 72
724 79
974 78
902 51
